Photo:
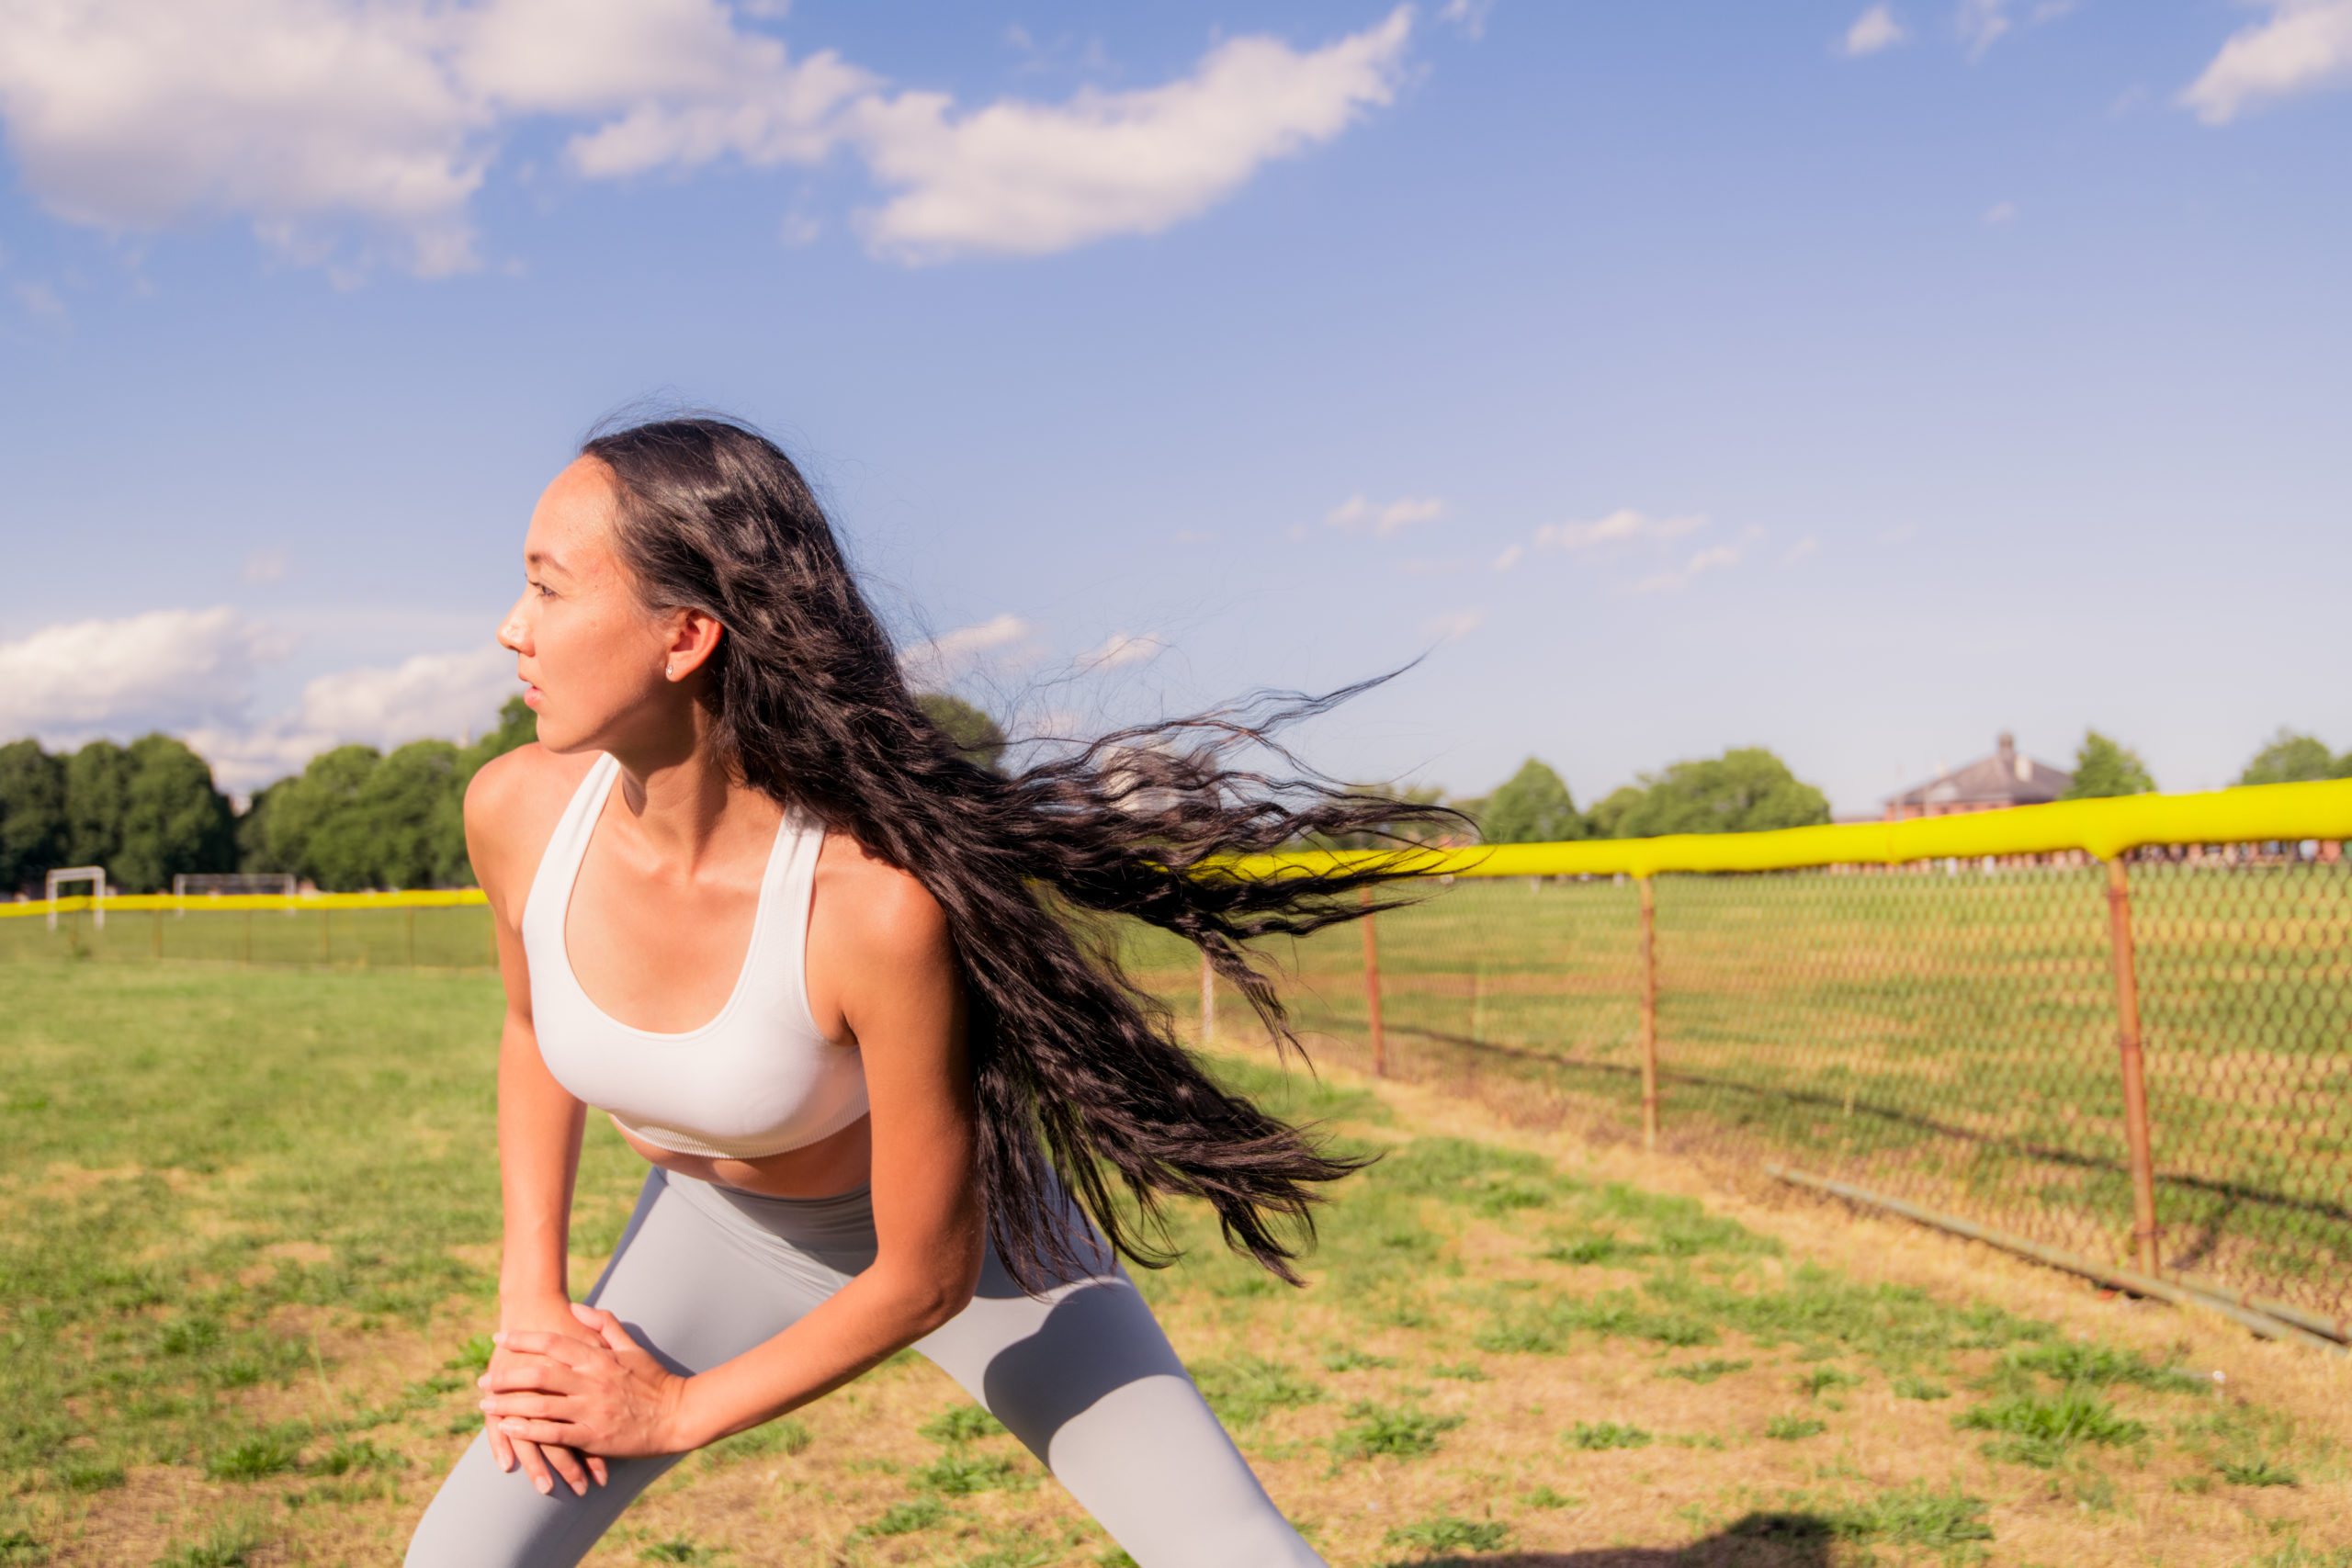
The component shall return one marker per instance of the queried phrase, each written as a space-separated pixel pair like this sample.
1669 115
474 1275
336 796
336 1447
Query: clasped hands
567 1403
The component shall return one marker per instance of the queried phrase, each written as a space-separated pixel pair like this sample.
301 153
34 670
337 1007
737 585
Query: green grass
1397 1432
192 1204
1242 1389
1794 1429
218 1154
1600 1436
906 1518
1705 1371
1447 1533
2040 1431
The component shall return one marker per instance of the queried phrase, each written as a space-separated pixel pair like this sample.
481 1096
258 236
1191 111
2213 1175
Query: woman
829 978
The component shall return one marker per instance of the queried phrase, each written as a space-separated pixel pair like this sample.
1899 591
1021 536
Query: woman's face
592 654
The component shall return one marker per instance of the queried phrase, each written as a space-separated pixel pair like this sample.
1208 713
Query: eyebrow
546 562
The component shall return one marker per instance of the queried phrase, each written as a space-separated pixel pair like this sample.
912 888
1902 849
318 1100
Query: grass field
250 1253
1947 1036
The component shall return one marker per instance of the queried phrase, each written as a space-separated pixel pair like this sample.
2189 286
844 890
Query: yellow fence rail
231 903
2101 829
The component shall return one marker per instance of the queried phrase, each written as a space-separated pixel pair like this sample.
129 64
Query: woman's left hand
611 1399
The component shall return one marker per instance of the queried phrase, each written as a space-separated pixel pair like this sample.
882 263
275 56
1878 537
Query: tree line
1749 790
353 818
356 818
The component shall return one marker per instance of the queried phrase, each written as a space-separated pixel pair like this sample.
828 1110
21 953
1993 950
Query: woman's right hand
542 1462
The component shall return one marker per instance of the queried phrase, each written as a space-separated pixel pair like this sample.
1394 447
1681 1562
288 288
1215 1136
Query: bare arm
879 954
539 1124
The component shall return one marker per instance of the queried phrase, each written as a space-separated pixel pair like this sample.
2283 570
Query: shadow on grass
1755 1540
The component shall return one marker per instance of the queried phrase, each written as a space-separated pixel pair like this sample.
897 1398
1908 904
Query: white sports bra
757 1079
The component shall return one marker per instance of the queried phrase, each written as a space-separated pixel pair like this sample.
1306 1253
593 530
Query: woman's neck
683 802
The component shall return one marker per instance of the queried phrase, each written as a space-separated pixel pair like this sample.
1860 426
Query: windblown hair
1077 1070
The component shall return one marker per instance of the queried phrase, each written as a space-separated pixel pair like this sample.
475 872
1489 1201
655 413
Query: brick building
2005 778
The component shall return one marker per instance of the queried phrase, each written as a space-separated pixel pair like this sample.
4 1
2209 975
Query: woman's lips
531 698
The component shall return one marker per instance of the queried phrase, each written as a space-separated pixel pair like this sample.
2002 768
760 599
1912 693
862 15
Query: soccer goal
65 877
217 883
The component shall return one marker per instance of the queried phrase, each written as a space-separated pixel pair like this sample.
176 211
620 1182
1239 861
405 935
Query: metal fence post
2134 1066
1649 1015
1372 990
1208 1001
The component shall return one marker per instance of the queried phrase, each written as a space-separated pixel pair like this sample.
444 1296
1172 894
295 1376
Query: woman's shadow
1755 1540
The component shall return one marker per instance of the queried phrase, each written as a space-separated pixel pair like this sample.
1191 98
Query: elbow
936 1299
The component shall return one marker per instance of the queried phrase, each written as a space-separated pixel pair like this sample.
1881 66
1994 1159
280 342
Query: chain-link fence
1956 1032
425 931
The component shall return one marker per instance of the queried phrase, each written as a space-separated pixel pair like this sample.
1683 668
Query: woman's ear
693 637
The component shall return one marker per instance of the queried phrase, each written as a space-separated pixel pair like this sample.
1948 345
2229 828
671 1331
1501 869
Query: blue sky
1857 381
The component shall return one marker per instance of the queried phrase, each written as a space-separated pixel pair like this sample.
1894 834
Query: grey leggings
1082 1376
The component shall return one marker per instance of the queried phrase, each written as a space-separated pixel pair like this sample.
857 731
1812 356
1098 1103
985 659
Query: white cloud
143 114
164 668
1469 16
1195 536
1019 178
1619 527
269 564
41 301
2304 46
1120 648
952 654
1808 545
309 118
1874 29
1714 560
1453 628
1981 24
190 673
2000 213
443 696
1356 513
1510 558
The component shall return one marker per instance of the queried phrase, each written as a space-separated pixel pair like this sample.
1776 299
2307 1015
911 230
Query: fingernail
547 1488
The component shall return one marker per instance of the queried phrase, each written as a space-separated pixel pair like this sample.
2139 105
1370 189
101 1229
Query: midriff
833 1163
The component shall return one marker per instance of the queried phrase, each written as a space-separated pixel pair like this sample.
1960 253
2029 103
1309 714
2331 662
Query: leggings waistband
843 1223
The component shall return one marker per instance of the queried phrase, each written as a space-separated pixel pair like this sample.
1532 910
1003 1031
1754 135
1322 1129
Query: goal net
217 883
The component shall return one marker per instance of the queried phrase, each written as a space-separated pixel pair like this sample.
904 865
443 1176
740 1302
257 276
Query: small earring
670 670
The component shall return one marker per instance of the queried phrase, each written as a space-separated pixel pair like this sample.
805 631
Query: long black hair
1077 1070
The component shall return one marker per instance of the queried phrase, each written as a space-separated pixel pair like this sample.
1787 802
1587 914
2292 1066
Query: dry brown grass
1709 1487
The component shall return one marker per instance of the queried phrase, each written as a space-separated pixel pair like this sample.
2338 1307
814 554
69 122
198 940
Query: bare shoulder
512 806
874 910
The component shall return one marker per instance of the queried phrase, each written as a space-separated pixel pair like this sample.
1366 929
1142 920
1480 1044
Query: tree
1607 819
2104 768
2290 758
1745 790
32 813
173 820
1533 807
402 813
313 830
97 783
970 730
1387 835
518 726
